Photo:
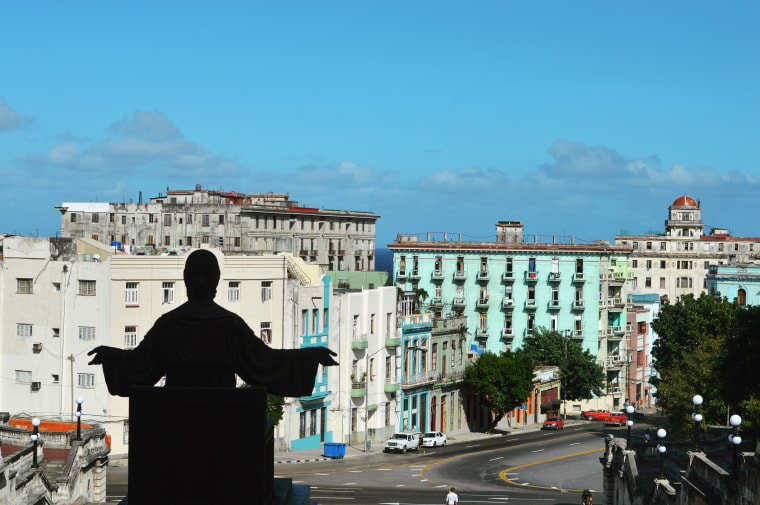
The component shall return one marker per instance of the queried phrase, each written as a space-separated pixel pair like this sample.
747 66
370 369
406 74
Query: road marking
503 474
322 474
494 459
400 485
355 471
384 469
468 446
350 484
538 450
335 498
576 443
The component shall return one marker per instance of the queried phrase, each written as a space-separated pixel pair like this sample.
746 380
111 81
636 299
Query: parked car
402 442
616 419
595 414
433 439
553 423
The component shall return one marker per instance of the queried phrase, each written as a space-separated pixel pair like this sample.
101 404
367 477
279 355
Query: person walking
586 497
452 498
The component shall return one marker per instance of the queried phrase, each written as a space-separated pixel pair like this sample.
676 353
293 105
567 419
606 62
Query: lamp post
736 440
661 433
697 401
35 437
629 410
564 380
79 417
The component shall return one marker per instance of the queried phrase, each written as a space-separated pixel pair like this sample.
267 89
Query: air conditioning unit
36 386
37 347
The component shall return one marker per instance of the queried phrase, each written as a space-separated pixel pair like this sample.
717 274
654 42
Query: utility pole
72 359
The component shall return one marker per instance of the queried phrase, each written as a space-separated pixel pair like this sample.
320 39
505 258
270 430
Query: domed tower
685 218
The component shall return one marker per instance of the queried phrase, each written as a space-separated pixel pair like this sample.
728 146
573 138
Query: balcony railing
458 302
483 276
507 277
529 332
554 277
531 277
481 332
482 303
530 304
421 378
437 275
460 276
507 333
507 304
415 276
578 305
401 275
578 278
554 305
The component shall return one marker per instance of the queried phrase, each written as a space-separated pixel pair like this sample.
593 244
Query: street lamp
661 433
735 439
697 401
35 436
564 380
629 410
79 417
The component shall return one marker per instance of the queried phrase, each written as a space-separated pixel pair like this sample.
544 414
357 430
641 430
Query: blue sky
576 118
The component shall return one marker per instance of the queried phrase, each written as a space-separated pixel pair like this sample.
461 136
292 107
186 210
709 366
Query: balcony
482 303
401 275
436 276
507 304
359 341
507 277
458 302
481 333
528 332
531 304
436 301
393 339
483 276
358 389
392 384
615 332
578 305
554 277
460 276
553 305
418 379
531 277
452 376
415 276
577 334
578 278
507 333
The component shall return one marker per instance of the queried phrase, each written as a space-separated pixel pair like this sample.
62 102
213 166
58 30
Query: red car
616 419
595 415
553 423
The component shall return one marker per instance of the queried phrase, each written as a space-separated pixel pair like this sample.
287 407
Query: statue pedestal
200 446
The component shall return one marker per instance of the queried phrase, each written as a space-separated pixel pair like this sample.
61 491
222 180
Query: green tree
275 408
583 377
502 381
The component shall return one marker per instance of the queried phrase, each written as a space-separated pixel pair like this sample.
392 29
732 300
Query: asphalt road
541 468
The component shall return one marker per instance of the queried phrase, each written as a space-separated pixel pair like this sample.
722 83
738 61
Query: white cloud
10 119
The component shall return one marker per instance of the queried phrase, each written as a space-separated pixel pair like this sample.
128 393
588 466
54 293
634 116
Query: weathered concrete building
236 223
676 263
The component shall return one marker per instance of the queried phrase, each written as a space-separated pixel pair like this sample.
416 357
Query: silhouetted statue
201 344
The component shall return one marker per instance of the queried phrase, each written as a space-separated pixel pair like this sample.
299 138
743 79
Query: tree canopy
502 381
583 376
708 346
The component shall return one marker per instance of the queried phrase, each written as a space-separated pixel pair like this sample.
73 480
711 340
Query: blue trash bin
334 450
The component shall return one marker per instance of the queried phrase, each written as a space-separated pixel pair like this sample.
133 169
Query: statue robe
201 344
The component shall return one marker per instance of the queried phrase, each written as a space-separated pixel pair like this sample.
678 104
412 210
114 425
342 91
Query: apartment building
676 263
236 223
735 282
507 289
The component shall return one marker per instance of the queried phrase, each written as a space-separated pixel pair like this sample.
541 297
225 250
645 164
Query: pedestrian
452 498
646 436
586 497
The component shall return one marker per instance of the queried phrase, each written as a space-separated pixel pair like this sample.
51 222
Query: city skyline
578 120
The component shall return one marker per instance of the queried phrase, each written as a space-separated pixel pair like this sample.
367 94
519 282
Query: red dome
684 201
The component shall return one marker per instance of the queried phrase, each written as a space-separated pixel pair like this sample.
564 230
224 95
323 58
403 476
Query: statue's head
201 274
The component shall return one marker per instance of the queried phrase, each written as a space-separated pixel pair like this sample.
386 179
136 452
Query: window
634 263
73 217
123 219
642 326
635 282
648 282
662 263
168 292
56 332
434 362
233 292
151 218
649 264
23 330
649 246
23 377
237 241
372 324
86 380
167 240
266 291
130 295
221 219
265 332
662 282
87 333
87 288
189 240
56 378
167 219
205 220
24 286
57 286
130 337
314 319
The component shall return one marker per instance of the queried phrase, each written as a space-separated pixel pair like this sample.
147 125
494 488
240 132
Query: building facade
735 282
236 223
676 262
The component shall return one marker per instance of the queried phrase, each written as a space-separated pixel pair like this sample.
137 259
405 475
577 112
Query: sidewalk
356 451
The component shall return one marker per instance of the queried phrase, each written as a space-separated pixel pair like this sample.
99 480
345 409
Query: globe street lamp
735 439
79 417
35 436
697 417
629 410
661 433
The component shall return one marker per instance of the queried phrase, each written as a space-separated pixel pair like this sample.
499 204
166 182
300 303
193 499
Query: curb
302 460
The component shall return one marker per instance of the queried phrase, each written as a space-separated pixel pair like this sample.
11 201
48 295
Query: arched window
742 295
